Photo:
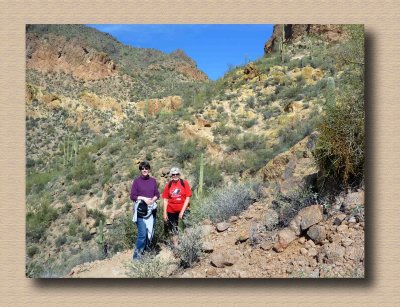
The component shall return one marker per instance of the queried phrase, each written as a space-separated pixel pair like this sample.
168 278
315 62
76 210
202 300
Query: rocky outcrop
57 54
250 72
295 32
153 106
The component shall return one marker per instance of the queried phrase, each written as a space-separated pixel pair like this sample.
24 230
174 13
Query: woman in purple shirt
144 188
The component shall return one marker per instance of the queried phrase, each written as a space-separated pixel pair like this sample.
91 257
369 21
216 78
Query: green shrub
122 234
257 159
249 123
223 129
66 208
245 141
340 148
86 236
39 220
61 240
149 266
32 250
225 202
287 206
97 215
185 151
38 180
73 229
190 246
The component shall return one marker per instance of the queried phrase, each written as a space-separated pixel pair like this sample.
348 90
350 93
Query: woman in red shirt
176 197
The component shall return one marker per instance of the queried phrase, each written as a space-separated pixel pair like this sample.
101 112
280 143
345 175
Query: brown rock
212 272
294 225
207 247
312 252
267 245
310 244
353 253
317 233
310 216
217 260
285 237
334 252
222 226
342 228
243 236
278 247
303 251
302 240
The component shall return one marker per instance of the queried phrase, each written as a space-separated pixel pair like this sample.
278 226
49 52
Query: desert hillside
275 138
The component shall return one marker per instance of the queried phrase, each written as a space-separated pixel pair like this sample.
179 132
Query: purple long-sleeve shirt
144 186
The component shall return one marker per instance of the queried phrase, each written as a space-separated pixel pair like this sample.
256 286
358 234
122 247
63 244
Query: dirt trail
109 268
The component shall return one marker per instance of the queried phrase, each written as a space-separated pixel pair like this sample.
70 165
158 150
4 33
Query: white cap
174 170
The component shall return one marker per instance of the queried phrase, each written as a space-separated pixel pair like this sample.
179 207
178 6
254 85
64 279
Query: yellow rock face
154 106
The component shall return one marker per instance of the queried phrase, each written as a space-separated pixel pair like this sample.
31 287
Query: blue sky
213 47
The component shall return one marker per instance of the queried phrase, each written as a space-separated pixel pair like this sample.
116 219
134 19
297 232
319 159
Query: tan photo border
382 283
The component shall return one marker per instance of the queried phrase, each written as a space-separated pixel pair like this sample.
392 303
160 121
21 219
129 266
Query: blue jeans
141 240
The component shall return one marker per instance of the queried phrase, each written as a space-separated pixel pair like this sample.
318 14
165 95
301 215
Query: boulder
317 233
222 226
217 260
334 252
207 247
267 245
243 237
285 237
342 228
220 261
353 253
294 225
310 216
312 252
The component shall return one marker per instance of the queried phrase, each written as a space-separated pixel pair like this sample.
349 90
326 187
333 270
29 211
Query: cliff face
329 33
57 54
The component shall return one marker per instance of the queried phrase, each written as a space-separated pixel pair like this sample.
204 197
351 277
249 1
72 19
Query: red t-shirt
176 195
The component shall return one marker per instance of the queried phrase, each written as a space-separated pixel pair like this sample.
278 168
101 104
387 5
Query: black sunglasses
175 174
144 168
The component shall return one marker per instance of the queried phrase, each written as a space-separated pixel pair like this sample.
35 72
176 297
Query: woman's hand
147 200
165 216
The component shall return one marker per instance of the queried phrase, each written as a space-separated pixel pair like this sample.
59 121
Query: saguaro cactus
100 236
201 176
70 150
330 92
